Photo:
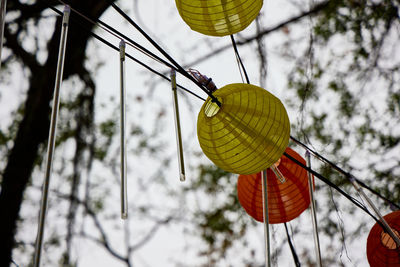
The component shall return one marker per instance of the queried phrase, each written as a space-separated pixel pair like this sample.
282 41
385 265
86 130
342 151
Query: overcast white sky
162 21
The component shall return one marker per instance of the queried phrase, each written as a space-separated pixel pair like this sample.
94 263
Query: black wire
379 195
14 263
127 55
325 180
179 68
240 60
248 81
121 35
292 249
322 178
346 174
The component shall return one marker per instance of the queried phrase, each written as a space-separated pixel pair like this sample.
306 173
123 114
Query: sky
163 23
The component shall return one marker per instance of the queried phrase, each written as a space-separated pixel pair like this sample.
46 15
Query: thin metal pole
264 184
313 213
384 224
124 194
52 135
179 143
3 5
278 174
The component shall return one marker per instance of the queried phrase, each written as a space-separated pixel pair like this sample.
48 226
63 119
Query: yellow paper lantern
218 17
248 133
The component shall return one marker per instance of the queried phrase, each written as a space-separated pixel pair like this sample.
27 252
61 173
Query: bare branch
150 234
314 11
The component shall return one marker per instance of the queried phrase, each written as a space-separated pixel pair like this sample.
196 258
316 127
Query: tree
323 76
35 110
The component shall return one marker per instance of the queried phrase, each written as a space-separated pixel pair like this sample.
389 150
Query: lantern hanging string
292 249
239 60
73 20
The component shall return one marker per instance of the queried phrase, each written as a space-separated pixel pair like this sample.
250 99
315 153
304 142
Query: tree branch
312 12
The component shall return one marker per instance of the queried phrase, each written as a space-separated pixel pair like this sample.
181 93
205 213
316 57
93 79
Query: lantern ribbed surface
286 201
381 248
218 17
248 133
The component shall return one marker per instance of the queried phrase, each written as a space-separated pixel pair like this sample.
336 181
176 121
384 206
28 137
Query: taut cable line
104 26
345 173
348 175
162 51
73 20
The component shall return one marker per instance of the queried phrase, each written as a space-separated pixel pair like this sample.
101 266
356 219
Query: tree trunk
34 127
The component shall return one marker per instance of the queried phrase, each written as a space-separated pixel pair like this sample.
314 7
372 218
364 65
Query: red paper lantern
381 248
286 200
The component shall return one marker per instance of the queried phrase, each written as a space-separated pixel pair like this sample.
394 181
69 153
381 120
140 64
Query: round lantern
218 17
381 248
286 200
248 133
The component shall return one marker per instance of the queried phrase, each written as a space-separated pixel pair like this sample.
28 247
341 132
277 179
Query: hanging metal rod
264 184
124 194
52 135
313 212
178 130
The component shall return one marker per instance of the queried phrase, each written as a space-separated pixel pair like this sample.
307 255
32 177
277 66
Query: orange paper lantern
381 248
286 200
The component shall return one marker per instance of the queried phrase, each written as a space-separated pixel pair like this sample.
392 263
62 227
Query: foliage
343 85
